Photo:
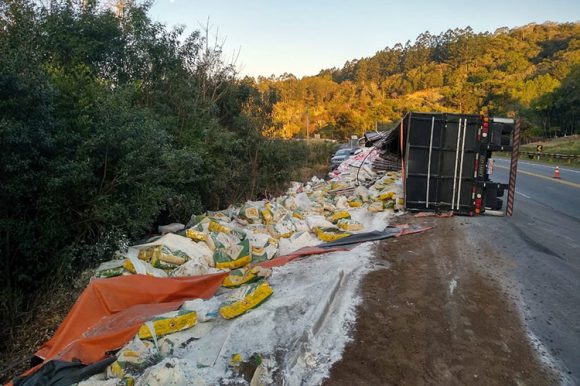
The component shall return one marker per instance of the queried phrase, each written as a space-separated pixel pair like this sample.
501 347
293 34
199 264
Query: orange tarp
110 311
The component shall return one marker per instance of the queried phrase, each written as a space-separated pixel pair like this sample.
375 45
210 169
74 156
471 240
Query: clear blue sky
302 37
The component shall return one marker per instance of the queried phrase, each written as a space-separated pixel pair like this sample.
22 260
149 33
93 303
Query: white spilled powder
452 286
372 221
302 329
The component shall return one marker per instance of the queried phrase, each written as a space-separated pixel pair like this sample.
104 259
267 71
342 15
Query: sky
302 37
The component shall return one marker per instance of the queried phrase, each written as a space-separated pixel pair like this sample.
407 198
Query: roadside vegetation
111 124
569 145
563 145
531 71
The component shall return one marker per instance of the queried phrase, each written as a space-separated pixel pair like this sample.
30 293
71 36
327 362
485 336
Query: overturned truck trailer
446 160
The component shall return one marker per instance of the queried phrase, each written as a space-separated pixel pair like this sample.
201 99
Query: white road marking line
557 180
534 164
521 194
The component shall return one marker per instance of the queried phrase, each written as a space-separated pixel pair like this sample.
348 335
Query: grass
572 164
564 145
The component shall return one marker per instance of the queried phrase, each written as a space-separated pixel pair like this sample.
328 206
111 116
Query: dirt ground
441 314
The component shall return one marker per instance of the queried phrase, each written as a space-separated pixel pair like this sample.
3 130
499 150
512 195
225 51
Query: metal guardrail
533 154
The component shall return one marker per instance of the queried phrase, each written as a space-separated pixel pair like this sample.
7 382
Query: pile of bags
358 167
307 215
236 240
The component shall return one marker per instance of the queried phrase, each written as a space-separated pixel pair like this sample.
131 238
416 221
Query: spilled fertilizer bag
200 236
300 224
302 201
266 213
135 357
206 310
341 203
245 298
355 202
267 252
387 195
110 269
278 211
361 192
175 250
283 228
167 323
214 226
349 225
290 203
330 234
136 266
318 221
339 215
263 246
250 213
193 268
162 257
231 252
246 275
296 241
376 206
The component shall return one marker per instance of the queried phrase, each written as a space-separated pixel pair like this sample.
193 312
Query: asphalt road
543 239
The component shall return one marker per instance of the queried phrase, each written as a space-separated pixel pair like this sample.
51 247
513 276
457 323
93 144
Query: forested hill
531 71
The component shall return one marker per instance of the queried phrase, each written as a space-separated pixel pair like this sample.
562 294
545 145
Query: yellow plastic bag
128 265
298 215
200 236
326 234
238 277
338 185
245 299
385 196
115 370
349 225
338 215
355 202
266 213
231 252
160 253
250 213
246 275
195 235
233 264
376 206
136 356
217 227
126 381
168 324
147 254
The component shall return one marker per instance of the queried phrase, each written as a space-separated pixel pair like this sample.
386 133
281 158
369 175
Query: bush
109 126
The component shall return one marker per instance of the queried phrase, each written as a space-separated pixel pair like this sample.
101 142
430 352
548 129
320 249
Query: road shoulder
439 315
